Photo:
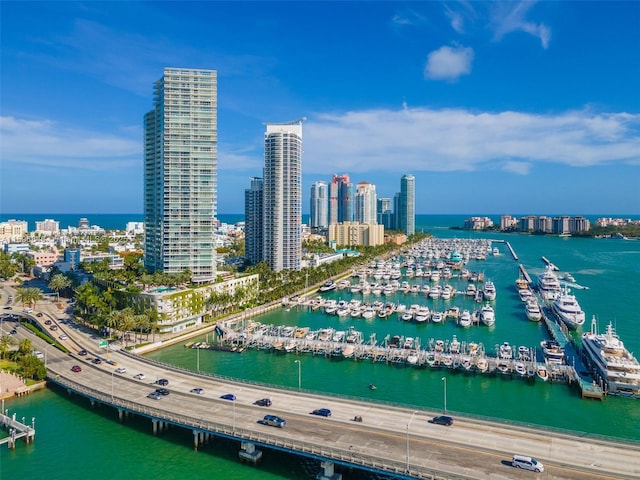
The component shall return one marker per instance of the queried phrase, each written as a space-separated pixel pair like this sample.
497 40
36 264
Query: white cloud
408 17
448 63
421 139
507 17
45 143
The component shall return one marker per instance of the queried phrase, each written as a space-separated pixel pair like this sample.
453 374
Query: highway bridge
391 440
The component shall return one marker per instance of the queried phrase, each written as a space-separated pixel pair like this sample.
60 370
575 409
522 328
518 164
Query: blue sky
495 107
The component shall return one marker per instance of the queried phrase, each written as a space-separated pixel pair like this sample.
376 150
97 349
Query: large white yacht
612 362
533 311
489 290
567 309
487 315
548 284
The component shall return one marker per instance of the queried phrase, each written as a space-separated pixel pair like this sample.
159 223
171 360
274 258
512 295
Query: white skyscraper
180 154
406 210
282 201
319 217
365 203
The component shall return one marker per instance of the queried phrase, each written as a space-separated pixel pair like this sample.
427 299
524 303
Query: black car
82 352
197 390
263 402
323 412
162 391
162 381
442 420
97 361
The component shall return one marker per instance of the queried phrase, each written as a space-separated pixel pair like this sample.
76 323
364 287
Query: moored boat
566 307
487 315
533 311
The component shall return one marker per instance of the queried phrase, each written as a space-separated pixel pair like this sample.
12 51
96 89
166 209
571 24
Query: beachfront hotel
180 163
282 195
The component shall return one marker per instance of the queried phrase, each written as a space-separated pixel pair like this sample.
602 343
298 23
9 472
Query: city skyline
493 106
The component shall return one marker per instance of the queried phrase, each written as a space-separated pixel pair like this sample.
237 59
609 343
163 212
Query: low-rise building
354 233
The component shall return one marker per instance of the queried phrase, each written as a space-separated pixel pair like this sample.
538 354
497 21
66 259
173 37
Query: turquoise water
85 440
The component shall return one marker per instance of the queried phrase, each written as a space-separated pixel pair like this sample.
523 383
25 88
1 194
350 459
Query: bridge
391 440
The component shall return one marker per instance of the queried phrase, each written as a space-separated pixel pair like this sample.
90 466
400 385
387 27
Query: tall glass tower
406 212
319 213
180 163
365 203
282 201
253 221
340 199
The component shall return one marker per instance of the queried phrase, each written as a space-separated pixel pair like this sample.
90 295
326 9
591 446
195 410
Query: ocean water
86 440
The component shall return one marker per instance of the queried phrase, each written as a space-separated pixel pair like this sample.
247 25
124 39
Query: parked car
442 420
197 390
323 412
121 370
263 402
228 396
162 381
274 421
76 368
139 376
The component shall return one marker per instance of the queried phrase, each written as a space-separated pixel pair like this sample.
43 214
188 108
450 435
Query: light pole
408 425
444 379
112 385
299 374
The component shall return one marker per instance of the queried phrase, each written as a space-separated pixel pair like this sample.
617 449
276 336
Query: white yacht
612 362
489 290
465 318
533 311
548 284
567 309
553 352
487 315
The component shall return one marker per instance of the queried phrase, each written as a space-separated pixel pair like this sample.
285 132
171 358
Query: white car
139 376
38 354
63 336
121 370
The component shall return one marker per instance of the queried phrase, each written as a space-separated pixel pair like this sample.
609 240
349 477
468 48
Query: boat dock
16 430
524 273
550 264
511 250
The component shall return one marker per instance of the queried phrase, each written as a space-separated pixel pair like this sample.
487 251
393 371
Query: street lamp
299 374
444 379
112 386
408 425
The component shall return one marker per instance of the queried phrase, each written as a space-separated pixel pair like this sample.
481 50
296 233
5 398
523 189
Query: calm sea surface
72 438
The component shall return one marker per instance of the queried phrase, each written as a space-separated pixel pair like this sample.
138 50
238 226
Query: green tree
28 296
59 282
6 342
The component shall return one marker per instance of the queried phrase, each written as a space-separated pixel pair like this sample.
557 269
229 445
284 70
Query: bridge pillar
196 439
327 472
120 414
154 426
249 452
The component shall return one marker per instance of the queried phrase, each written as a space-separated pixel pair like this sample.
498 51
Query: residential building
319 211
254 224
340 199
355 233
365 203
406 205
180 174
48 227
13 230
282 197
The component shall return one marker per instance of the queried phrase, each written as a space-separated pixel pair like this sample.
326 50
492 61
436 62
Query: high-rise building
340 199
385 214
406 205
253 221
282 247
365 203
319 217
180 160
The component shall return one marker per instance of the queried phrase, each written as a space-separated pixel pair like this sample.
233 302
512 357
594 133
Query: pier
16 430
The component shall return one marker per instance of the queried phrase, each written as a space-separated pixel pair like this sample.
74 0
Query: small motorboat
372 386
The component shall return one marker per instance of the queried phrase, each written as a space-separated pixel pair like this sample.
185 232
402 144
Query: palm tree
28 296
5 344
59 282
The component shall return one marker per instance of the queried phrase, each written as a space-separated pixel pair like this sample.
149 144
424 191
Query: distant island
563 226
